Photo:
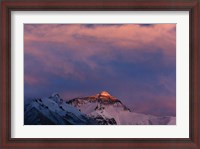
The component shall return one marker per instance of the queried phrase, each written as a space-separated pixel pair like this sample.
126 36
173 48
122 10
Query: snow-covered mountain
100 109
105 108
53 111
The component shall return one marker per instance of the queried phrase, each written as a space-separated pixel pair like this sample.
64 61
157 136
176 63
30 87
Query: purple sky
135 63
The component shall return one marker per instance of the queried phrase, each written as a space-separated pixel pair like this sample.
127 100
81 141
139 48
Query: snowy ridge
103 106
53 110
100 109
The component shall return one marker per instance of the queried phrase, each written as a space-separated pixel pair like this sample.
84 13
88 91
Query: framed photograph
100 74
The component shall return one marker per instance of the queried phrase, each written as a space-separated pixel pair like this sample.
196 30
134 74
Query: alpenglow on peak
104 93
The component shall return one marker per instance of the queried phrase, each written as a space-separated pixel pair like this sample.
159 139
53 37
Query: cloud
30 80
81 44
155 104
130 61
168 82
126 37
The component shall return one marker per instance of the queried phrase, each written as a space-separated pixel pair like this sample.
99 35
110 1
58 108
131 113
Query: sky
135 63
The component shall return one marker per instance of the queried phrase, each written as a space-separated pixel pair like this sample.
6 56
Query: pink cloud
59 66
155 103
127 37
31 80
96 41
168 83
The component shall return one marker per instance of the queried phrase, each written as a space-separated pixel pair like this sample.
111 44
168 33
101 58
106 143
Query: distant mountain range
100 109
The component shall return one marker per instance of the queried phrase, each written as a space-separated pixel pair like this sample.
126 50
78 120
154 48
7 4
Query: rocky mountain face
100 109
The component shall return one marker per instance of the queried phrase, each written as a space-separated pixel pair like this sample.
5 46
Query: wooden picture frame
193 142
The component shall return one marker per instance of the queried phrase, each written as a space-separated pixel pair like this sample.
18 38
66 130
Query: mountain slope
53 111
103 106
100 109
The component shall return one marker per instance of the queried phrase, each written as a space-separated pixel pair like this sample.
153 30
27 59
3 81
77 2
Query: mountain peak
56 98
105 95
55 95
101 109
